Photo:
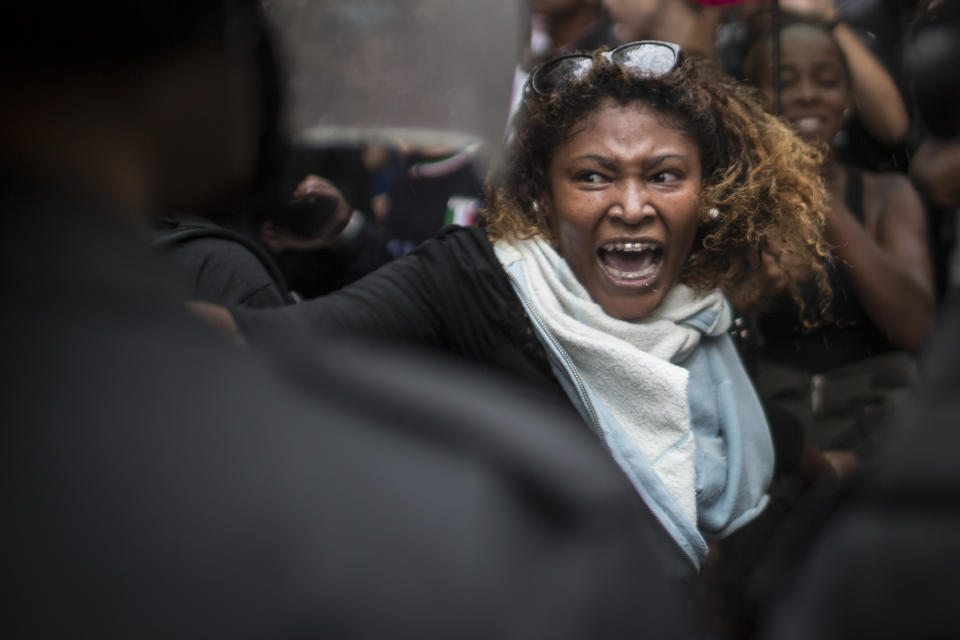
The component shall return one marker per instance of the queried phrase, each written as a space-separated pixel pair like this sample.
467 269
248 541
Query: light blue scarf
668 392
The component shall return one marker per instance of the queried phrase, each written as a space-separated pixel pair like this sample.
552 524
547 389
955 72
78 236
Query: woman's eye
590 177
829 81
667 176
788 77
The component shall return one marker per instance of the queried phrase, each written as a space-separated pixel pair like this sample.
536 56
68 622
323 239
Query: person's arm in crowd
396 302
880 104
774 268
889 261
411 299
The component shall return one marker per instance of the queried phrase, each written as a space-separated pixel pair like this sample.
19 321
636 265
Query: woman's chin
814 139
633 307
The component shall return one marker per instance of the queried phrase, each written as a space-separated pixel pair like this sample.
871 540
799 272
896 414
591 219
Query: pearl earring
713 213
535 205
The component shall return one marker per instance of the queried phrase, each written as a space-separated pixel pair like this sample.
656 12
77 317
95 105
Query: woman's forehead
610 111
801 42
635 122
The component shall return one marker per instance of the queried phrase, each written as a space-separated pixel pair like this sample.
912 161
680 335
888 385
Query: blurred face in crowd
814 83
623 203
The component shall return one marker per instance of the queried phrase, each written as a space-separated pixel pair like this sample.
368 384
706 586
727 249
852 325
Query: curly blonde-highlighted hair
762 179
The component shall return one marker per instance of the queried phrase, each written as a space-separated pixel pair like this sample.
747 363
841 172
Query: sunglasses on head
643 58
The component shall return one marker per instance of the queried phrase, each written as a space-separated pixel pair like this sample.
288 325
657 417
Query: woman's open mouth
808 124
633 261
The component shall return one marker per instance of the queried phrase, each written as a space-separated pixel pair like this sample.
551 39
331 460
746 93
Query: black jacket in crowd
451 293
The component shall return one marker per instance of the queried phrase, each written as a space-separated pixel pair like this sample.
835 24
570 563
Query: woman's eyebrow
604 161
647 163
655 161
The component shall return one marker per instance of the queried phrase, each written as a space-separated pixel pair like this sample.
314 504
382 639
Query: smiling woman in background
639 184
840 378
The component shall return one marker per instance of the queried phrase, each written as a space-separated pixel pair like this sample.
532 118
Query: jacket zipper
563 354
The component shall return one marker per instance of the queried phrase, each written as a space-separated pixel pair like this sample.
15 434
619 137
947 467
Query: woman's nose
806 91
633 204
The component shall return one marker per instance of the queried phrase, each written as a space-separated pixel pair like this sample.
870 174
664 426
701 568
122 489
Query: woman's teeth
631 260
808 124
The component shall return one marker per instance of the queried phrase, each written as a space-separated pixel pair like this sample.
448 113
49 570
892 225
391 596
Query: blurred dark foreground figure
887 565
161 482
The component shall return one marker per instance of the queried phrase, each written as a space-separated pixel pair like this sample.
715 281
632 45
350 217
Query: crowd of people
672 357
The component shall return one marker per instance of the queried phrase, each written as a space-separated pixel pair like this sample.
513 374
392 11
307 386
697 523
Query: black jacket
451 293
221 265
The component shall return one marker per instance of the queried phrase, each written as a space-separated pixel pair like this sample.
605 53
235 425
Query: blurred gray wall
443 65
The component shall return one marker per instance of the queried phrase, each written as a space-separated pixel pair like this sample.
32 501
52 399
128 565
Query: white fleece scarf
630 366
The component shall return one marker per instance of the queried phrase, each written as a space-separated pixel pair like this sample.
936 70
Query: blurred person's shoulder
221 265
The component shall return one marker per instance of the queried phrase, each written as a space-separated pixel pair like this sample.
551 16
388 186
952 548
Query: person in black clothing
244 260
160 482
634 240
886 561
221 265
839 378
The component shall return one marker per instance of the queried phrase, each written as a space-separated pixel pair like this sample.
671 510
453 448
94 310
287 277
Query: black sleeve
224 272
449 293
